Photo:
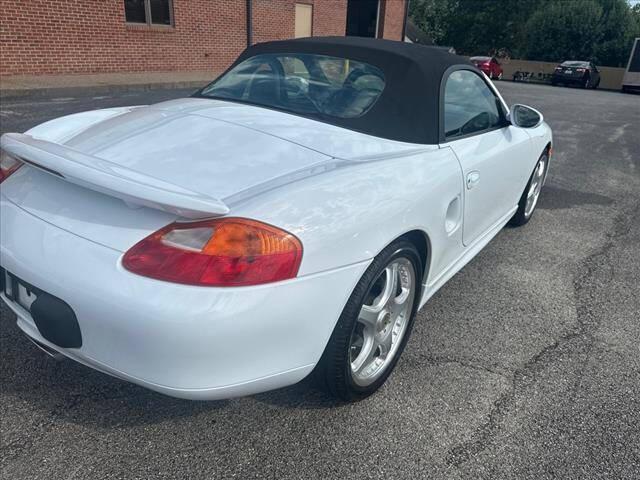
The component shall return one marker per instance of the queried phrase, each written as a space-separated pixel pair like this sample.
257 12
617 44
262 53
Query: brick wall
91 36
329 17
273 20
394 11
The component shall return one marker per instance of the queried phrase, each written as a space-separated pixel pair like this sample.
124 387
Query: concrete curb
34 93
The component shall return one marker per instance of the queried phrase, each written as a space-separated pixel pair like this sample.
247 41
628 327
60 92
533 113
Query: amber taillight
8 165
226 252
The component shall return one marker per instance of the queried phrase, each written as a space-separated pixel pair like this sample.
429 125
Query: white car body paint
344 194
495 166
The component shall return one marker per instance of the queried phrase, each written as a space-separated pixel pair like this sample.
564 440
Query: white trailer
631 79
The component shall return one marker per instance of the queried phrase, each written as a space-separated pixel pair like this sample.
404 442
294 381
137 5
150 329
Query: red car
489 65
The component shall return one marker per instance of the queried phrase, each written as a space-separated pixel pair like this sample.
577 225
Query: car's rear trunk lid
124 177
111 178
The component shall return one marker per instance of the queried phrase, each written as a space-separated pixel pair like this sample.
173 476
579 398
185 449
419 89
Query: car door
493 154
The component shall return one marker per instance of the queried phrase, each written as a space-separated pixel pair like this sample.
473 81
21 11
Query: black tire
521 217
333 372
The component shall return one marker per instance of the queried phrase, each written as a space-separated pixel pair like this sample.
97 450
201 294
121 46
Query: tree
479 26
433 17
617 29
473 26
553 30
563 30
597 30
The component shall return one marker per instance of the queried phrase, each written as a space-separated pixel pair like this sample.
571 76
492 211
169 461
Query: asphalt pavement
525 365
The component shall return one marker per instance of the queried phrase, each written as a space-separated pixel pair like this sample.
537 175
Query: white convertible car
291 217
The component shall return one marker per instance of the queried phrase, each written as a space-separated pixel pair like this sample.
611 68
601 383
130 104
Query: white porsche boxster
291 217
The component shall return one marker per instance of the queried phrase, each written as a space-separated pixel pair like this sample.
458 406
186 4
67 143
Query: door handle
473 178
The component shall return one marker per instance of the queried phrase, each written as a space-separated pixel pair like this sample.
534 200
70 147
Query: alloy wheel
537 181
382 321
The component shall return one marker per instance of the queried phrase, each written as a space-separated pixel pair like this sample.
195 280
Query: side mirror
524 117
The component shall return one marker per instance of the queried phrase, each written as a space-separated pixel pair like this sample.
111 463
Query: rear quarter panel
350 213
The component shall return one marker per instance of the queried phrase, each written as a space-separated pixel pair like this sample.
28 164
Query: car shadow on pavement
303 395
555 198
67 391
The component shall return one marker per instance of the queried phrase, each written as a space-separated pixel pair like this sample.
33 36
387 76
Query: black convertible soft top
408 108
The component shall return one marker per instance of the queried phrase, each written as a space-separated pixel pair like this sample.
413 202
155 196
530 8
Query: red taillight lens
8 165
226 252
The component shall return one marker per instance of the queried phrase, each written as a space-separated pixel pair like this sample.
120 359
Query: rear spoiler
111 179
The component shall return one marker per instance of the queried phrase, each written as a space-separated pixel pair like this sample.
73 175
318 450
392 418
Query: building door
304 20
362 18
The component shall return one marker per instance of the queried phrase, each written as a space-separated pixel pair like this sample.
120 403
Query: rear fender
348 215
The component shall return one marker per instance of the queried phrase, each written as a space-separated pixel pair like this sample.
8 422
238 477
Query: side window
150 12
469 105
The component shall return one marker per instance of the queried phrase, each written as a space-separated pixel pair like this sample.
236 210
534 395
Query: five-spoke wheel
382 321
535 186
529 199
375 324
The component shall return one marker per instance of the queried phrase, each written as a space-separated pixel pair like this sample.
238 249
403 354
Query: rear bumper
559 78
184 341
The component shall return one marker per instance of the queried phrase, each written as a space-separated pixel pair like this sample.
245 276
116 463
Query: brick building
112 36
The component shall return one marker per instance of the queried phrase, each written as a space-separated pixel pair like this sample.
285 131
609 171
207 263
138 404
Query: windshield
302 83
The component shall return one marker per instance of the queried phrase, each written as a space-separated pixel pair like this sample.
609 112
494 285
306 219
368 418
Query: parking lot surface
525 365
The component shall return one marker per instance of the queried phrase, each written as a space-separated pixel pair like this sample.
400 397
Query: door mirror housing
524 117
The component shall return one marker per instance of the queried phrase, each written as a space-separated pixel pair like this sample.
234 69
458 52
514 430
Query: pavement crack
590 273
443 360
